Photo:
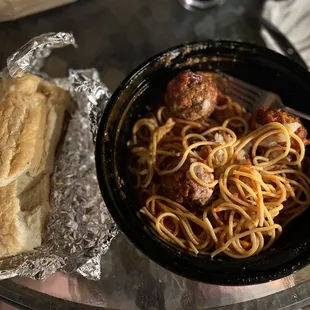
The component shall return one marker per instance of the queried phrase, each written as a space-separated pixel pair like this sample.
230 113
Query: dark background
116 35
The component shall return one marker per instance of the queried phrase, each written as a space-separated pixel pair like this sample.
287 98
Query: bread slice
31 117
31 120
24 212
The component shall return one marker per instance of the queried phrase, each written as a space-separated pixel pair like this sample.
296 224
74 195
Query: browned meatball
264 116
191 95
182 188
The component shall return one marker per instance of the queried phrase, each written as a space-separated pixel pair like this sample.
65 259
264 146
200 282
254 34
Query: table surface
114 37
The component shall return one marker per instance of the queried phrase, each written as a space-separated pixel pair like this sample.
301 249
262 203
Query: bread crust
31 120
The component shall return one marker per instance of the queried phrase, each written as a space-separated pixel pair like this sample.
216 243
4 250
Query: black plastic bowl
140 92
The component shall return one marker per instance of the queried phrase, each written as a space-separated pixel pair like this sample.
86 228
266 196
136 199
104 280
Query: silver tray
131 281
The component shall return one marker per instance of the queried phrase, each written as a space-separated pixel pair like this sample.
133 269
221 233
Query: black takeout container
141 91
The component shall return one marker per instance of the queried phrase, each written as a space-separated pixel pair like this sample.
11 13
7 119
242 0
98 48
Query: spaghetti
238 193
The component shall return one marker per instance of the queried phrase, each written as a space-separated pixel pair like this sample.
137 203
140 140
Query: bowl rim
146 244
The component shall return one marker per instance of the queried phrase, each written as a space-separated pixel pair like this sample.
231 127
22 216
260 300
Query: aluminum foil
86 87
31 56
80 229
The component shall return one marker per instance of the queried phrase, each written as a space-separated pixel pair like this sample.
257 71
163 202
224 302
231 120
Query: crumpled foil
31 56
87 87
81 228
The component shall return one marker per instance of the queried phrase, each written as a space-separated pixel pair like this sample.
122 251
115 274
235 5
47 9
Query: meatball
191 95
182 188
264 116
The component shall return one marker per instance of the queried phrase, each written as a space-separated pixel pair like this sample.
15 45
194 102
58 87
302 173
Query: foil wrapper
86 87
31 56
80 229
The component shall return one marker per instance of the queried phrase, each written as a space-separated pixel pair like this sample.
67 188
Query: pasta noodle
256 191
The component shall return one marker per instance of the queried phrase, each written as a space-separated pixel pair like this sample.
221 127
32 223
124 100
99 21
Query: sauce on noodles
226 183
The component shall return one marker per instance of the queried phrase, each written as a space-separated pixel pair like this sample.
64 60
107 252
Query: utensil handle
297 113
289 50
284 44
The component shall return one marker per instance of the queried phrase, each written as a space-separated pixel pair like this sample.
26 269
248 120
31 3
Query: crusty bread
31 117
23 217
31 120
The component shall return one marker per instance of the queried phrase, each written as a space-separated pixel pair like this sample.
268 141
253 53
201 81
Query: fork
252 97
